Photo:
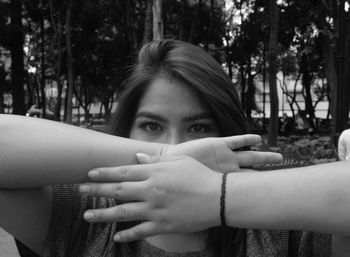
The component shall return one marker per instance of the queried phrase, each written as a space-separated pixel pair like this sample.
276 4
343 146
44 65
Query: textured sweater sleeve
310 244
69 234
284 243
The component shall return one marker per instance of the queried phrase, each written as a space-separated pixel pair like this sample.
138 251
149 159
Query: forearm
315 198
35 152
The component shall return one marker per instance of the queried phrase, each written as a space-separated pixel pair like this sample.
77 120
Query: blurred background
67 60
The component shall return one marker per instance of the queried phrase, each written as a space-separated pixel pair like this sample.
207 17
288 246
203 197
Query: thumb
143 158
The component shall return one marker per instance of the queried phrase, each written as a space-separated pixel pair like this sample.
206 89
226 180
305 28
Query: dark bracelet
222 200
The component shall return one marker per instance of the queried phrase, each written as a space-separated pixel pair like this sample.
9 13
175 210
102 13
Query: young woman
177 93
171 82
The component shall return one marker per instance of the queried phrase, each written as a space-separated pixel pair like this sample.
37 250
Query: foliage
106 36
300 151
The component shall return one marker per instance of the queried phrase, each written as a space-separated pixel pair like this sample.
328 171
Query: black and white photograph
174 128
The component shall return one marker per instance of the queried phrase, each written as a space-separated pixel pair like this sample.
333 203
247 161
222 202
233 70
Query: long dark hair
197 69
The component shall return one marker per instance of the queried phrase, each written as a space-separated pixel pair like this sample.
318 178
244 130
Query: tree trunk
211 25
30 91
158 30
107 106
69 63
306 81
147 35
250 96
57 28
341 114
42 87
182 20
17 62
228 59
243 84
331 76
273 46
347 77
2 86
36 88
130 28
264 88
57 111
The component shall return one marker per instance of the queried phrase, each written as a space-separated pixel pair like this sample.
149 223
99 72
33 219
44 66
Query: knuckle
108 175
98 188
254 158
117 190
103 174
123 173
122 213
155 158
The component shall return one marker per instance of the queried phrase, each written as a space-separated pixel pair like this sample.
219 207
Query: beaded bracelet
222 200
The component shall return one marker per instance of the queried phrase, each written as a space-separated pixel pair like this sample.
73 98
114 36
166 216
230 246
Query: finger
119 213
147 159
236 142
120 174
137 232
250 158
132 191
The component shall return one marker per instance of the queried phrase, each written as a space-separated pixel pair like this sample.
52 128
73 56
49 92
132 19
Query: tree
70 84
2 87
158 30
342 64
148 32
17 57
4 41
57 26
42 63
273 48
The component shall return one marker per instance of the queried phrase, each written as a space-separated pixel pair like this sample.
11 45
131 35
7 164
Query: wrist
223 200
241 198
234 194
213 200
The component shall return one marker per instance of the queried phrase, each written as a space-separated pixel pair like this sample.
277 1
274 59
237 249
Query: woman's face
171 113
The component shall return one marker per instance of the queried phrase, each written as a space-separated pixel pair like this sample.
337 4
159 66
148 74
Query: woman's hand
172 192
219 155
176 195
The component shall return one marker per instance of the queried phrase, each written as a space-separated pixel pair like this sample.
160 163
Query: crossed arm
35 154
314 198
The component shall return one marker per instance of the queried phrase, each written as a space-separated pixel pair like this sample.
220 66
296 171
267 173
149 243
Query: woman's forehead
169 94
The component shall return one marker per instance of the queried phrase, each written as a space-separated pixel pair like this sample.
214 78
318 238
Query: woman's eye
199 128
151 127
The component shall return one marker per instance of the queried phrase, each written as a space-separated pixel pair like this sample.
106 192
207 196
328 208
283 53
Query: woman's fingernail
88 215
117 238
93 174
84 189
142 157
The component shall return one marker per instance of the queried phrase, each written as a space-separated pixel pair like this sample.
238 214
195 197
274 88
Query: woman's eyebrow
191 118
199 116
150 115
